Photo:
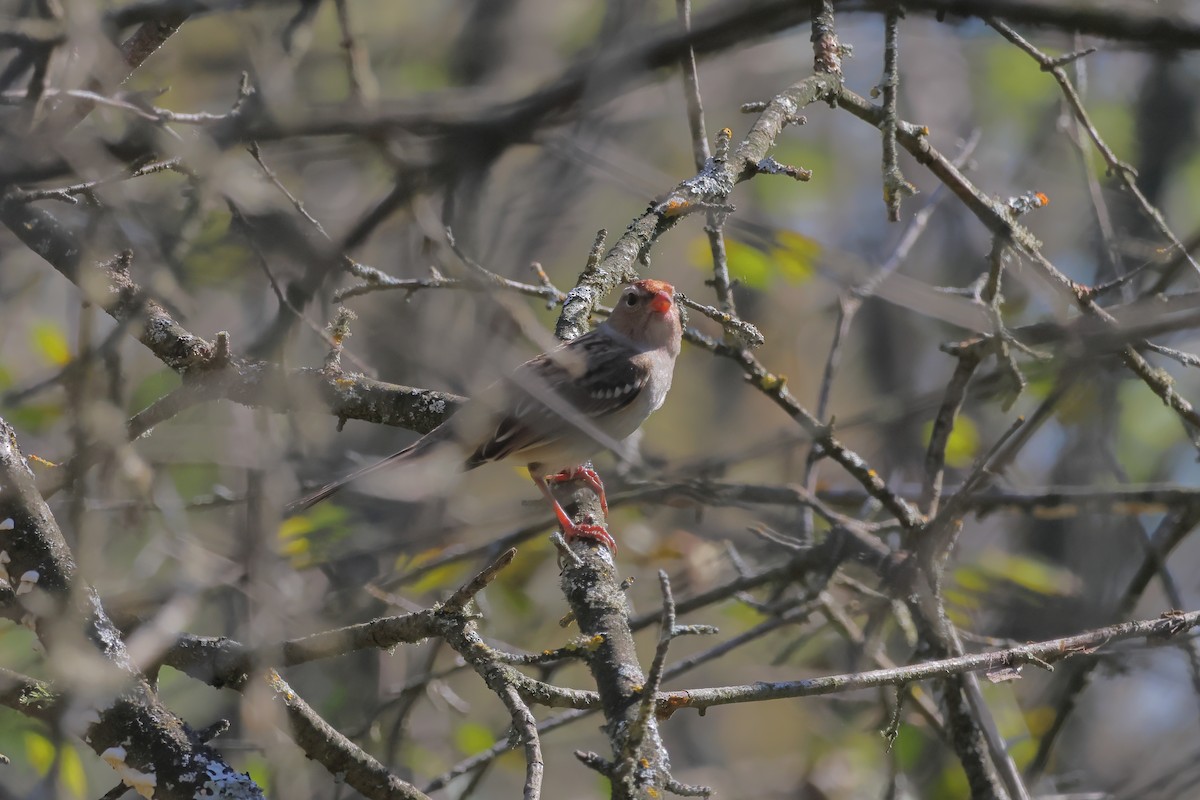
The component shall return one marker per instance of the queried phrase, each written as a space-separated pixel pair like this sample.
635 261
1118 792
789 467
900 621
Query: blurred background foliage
166 522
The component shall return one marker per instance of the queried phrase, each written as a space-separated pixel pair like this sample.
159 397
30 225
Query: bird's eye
631 299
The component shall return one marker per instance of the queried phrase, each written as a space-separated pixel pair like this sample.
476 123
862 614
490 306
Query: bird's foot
589 532
589 476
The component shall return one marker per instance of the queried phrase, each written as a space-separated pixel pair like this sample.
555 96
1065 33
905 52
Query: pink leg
571 530
588 476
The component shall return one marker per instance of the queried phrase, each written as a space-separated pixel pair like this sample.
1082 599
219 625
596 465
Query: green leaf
35 417
909 747
259 770
1115 122
952 783
790 257
152 387
193 479
216 259
1147 432
473 738
748 264
1015 78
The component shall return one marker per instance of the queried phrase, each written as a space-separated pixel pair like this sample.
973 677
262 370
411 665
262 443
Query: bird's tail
310 500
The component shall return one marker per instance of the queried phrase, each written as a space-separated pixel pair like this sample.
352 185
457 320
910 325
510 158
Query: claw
572 530
591 533
588 476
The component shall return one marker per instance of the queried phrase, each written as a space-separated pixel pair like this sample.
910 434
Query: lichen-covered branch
127 725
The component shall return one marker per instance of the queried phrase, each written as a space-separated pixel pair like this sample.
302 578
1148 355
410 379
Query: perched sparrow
559 409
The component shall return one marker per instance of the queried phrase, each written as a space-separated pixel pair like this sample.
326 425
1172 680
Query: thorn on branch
458 601
1037 662
770 166
244 92
554 296
721 147
775 537
1061 61
339 331
211 732
595 761
481 272
1003 674
1128 170
895 189
892 730
565 552
695 630
220 355
596 253
685 790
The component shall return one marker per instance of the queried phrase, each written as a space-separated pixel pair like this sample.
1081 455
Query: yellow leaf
438 578
796 253
320 517
963 444
50 343
1028 572
39 751
743 614
296 547
306 538
1039 719
970 579
71 773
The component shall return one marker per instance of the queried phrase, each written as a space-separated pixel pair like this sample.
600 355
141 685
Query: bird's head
647 313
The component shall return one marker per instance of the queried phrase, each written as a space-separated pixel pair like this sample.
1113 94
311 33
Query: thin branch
1123 172
1040 654
363 84
895 187
323 743
999 219
137 734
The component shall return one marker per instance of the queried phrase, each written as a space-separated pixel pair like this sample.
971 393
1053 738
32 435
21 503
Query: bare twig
1039 654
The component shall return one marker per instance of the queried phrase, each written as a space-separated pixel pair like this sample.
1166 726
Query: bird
557 410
